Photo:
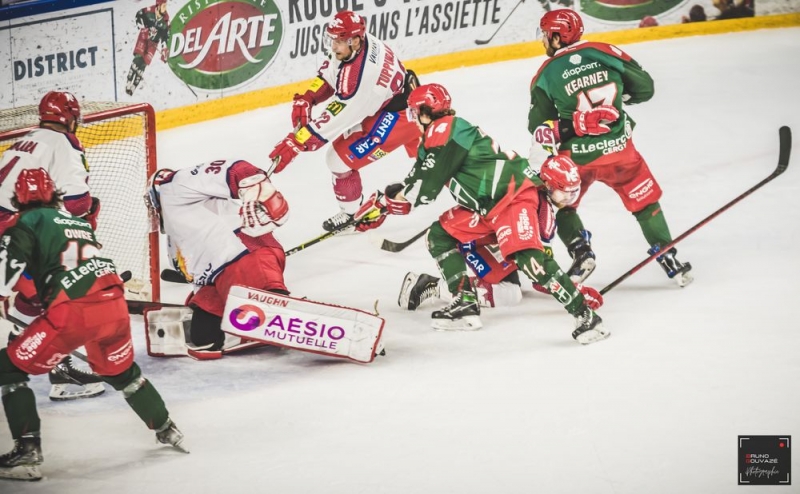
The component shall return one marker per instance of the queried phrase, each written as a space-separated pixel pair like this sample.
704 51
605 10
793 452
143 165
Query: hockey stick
484 41
390 246
174 276
785 135
325 236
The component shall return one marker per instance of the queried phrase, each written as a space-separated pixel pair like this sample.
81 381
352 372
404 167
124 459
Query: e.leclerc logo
220 44
247 317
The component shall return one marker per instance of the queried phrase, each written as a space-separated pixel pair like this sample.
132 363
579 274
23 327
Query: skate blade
28 473
405 289
467 323
587 268
599 333
65 392
684 279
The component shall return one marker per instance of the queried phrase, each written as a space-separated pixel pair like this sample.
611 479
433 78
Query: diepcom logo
220 44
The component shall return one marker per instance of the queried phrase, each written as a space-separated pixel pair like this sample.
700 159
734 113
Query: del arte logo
218 44
247 317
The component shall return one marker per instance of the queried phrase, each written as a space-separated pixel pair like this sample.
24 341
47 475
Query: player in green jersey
84 306
497 193
576 110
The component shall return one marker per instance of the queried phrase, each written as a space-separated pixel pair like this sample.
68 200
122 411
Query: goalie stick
785 136
485 41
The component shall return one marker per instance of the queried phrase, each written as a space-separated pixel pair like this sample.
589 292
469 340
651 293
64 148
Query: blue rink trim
37 7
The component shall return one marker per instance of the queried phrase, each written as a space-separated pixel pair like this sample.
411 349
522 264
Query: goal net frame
23 119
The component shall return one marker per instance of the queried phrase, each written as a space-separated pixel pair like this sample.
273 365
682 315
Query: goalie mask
152 198
563 182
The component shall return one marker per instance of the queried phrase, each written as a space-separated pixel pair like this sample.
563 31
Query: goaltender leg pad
304 325
166 331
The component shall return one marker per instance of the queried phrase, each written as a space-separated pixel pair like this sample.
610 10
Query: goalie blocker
256 317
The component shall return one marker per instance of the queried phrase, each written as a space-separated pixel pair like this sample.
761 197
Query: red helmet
564 22
347 24
59 107
561 177
34 186
434 96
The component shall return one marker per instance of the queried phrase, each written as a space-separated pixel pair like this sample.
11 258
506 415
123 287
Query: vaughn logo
219 44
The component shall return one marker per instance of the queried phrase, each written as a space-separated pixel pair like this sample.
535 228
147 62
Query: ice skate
22 463
680 272
169 434
416 289
71 383
589 327
336 221
583 258
463 314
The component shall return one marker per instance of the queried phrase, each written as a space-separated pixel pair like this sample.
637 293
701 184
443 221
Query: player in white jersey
219 217
366 120
54 147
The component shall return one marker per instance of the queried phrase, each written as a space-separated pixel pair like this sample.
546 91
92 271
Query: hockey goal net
120 143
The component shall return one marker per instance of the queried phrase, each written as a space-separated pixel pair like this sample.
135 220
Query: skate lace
340 218
428 292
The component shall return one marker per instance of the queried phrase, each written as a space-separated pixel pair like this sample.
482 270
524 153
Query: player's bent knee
439 241
536 265
131 378
647 212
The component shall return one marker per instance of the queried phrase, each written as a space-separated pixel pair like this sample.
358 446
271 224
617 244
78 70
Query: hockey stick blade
785 149
390 246
485 41
173 276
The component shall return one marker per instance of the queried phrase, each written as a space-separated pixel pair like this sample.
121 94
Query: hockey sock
654 225
19 402
206 329
545 271
141 395
444 250
568 225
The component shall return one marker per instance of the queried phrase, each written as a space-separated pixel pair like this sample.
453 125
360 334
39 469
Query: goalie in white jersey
367 117
218 218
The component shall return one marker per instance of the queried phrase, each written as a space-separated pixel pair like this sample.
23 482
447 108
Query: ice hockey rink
518 407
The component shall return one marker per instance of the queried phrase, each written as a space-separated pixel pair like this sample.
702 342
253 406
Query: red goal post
120 144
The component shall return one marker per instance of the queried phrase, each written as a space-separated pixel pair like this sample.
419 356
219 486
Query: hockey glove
394 203
594 122
292 145
372 213
592 297
301 110
91 215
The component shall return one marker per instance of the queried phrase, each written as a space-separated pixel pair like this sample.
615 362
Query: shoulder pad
438 132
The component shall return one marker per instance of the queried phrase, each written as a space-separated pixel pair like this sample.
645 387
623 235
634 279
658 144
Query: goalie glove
595 121
263 208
